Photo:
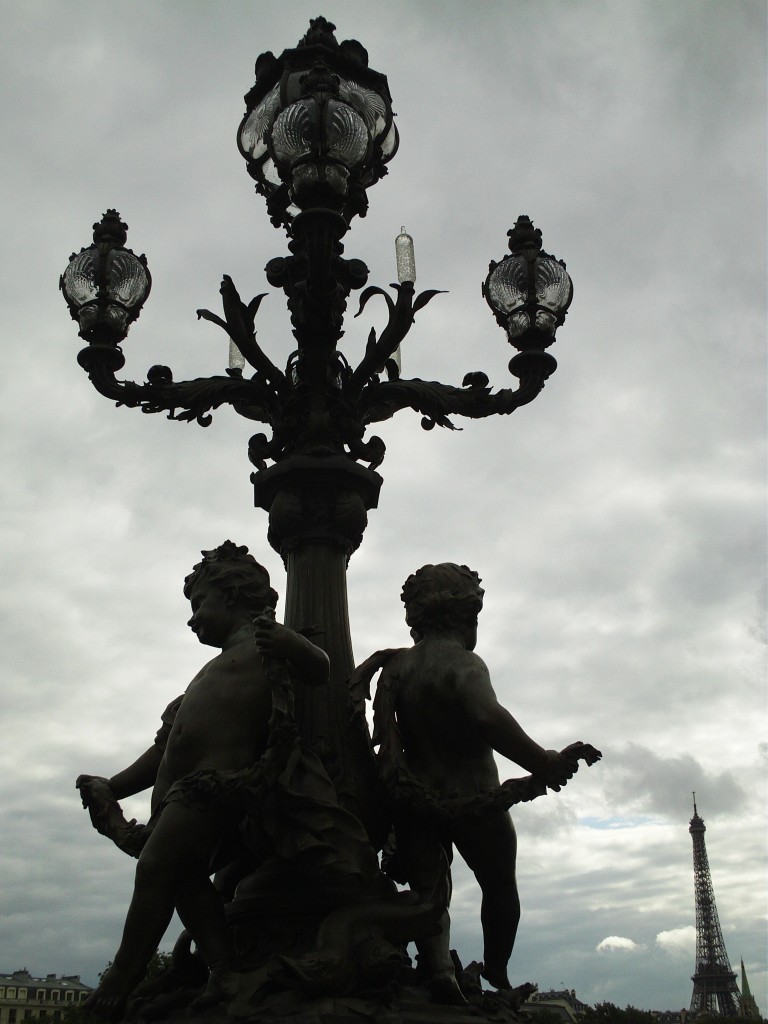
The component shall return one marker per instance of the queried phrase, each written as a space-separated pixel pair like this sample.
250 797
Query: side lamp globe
529 292
105 286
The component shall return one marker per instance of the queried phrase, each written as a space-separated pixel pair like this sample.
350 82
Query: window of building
56 995
12 993
57 1014
2 991
40 995
12 1015
69 996
27 1014
22 993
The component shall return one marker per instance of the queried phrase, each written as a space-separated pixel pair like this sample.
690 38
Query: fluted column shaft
317 514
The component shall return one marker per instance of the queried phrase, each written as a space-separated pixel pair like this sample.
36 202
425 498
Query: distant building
673 1016
24 998
561 1002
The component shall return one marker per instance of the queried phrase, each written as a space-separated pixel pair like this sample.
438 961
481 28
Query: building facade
562 1002
24 998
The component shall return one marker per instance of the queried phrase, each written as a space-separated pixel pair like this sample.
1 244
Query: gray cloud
648 783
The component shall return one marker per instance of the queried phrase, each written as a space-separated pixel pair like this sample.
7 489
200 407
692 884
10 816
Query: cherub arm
502 731
142 773
100 796
134 779
309 661
138 776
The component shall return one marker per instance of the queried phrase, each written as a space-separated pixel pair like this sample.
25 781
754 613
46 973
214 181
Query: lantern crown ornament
529 291
105 285
318 127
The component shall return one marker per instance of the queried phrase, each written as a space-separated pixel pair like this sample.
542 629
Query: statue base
404 1001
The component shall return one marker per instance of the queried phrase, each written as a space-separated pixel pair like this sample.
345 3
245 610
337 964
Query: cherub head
443 598
227 590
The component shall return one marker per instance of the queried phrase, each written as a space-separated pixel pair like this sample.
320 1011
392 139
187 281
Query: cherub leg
490 849
172 868
424 859
201 909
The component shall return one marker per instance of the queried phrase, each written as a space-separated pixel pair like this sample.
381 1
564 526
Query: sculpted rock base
400 997
327 953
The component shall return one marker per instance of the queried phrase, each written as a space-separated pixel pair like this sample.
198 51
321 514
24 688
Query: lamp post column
318 509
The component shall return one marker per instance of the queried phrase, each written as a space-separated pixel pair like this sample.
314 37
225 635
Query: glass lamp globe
106 285
529 291
316 115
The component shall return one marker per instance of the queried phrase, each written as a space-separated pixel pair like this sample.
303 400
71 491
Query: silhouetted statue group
238 796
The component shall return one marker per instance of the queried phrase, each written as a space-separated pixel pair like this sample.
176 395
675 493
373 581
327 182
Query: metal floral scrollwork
316 406
318 131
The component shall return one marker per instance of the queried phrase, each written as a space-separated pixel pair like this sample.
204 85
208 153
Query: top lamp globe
318 127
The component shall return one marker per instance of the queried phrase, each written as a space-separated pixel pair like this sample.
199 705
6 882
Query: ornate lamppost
316 136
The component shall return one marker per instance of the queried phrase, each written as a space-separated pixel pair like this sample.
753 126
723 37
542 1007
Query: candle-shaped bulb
236 360
406 259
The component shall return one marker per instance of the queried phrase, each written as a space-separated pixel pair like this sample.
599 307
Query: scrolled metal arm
195 398
321 403
256 399
436 401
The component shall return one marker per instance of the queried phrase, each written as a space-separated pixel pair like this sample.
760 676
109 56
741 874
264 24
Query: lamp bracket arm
401 317
100 363
436 401
185 401
196 399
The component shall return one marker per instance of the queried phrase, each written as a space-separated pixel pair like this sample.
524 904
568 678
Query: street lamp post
316 136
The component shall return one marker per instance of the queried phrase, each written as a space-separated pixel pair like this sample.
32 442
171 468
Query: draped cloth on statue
285 804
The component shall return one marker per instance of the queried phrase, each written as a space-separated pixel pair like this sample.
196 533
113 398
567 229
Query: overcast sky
618 523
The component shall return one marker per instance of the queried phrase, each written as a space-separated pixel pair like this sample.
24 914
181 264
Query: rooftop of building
23 978
563 995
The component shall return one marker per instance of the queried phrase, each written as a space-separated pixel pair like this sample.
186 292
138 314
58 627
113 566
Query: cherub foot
496 976
108 1000
223 985
445 990
516 997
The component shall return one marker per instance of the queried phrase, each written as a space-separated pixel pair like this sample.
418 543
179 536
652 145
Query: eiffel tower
714 983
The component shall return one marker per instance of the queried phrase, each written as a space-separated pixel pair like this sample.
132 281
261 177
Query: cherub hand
81 780
558 768
582 752
107 816
85 784
273 638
